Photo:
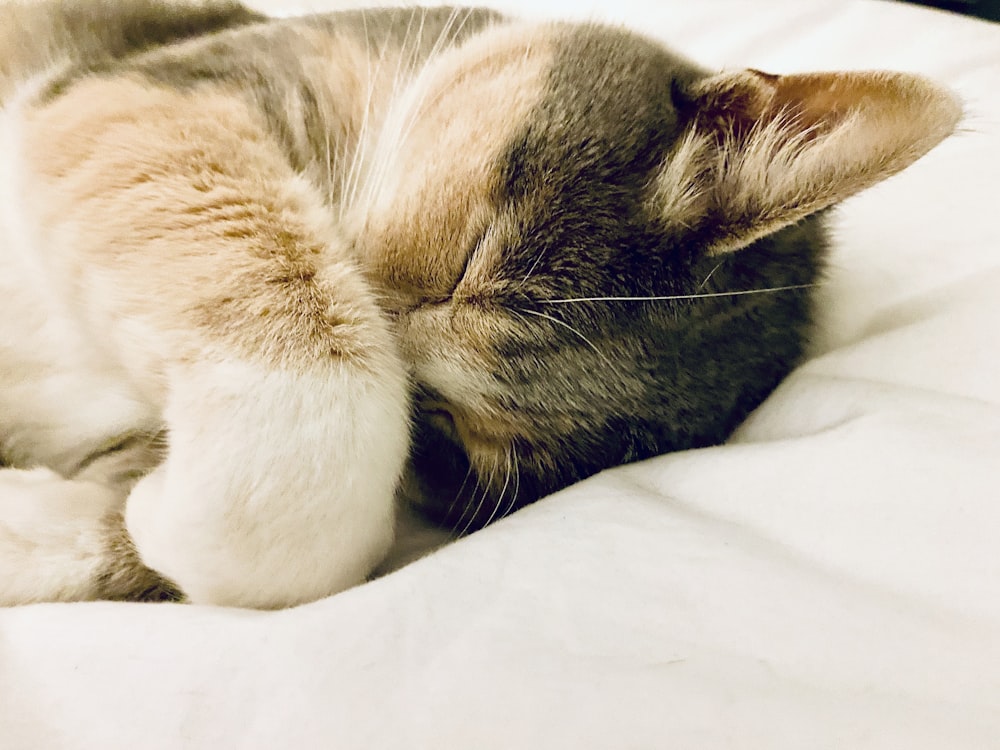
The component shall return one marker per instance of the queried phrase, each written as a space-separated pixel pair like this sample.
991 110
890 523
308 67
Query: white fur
60 399
52 535
278 488
57 405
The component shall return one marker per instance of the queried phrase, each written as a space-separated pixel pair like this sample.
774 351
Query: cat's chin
443 486
435 477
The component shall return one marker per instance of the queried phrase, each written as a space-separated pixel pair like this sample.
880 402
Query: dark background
988 9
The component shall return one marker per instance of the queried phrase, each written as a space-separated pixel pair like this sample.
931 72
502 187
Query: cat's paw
53 536
277 489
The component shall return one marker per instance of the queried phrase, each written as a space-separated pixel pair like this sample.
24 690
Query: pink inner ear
736 104
827 97
810 103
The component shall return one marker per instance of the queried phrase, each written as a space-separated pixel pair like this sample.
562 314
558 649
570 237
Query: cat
258 277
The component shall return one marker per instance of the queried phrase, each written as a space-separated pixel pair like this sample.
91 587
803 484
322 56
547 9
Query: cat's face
531 179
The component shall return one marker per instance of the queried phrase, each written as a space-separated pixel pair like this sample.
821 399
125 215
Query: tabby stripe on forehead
579 170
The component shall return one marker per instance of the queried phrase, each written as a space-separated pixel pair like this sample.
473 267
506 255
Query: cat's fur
225 259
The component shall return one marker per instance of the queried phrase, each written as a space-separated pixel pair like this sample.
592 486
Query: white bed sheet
830 579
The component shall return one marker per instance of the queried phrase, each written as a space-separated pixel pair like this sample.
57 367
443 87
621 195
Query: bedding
830 578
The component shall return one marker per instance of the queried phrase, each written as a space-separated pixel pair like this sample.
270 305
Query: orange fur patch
186 216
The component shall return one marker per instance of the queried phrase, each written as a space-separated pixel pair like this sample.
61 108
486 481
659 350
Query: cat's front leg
217 277
278 486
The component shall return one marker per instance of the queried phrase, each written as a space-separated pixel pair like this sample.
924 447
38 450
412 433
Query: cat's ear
763 151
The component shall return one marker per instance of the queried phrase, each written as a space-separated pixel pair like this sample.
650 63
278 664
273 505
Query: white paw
277 488
53 535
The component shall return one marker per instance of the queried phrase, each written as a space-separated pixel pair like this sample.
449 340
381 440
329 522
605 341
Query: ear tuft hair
764 151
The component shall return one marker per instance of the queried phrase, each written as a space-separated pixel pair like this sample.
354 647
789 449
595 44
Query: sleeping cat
257 276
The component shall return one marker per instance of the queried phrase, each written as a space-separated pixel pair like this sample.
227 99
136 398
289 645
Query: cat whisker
375 176
478 506
455 530
408 60
387 140
531 270
328 160
353 177
503 491
342 159
446 32
403 129
566 325
366 166
347 189
658 298
512 453
400 128
415 52
458 494
416 107
487 485
710 274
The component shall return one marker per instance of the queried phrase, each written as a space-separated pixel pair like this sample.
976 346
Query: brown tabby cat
239 255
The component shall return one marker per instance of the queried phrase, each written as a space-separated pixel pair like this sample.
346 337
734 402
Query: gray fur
609 382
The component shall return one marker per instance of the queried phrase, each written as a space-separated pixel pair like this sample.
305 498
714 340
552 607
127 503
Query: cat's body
223 261
269 364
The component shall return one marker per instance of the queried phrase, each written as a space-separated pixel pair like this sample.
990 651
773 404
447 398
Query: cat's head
575 232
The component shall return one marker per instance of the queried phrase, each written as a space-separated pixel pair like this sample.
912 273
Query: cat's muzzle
440 481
